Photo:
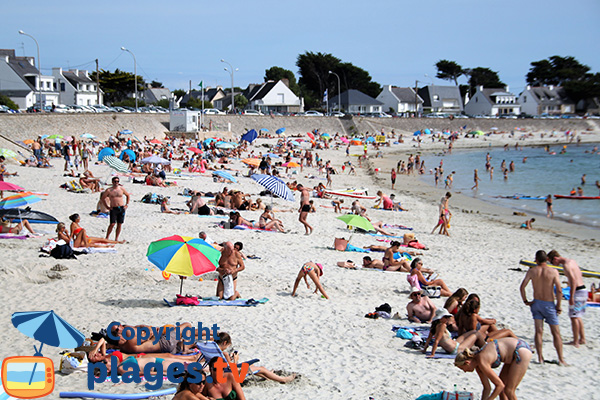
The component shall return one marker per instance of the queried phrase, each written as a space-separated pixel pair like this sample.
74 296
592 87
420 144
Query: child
314 270
527 224
337 205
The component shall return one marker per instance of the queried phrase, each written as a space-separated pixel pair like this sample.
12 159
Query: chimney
481 88
507 89
551 87
528 87
286 82
219 87
389 88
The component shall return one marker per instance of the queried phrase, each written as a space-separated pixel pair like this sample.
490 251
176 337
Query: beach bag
62 251
408 237
416 245
186 300
228 290
432 291
340 244
457 395
73 362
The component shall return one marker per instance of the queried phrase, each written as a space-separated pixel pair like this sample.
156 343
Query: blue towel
349 247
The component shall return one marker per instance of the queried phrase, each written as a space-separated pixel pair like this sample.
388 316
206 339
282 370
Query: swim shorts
544 310
306 208
204 210
170 345
117 215
578 309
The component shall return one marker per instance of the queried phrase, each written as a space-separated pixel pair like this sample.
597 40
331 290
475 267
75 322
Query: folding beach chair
210 350
75 187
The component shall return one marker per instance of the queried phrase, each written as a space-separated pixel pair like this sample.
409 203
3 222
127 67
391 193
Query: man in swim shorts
113 198
545 281
579 295
304 208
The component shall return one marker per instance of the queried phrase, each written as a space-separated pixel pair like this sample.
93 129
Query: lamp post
39 69
135 76
339 90
231 71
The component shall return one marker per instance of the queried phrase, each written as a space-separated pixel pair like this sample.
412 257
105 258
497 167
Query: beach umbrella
116 164
299 140
195 150
225 175
275 185
155 160
130 153
417 133
255 162
156 141
209 140
10 187
272 155
325 135
44 136
250 136
356 142
370 139
87 136
34 217
183 256
28 141
126 132
280 131
427 131
68 138
356 221
344 140
18 200
107 151
7 153
476 133
310 135
55 136
290 164
264 130
225 145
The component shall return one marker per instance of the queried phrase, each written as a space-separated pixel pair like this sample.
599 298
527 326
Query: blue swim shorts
545 310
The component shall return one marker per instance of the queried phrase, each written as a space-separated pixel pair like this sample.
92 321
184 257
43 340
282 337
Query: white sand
339 353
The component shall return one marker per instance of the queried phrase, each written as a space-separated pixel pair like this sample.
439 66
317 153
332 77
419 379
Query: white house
273 96
356 102
552 100
492 102
400 99
76 87
20 80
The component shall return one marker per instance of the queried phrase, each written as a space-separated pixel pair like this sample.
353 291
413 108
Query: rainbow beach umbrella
18 200
183 256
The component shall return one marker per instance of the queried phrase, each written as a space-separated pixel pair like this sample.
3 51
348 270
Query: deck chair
75 187
210 350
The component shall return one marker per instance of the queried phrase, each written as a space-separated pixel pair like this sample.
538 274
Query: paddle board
560 196
586 273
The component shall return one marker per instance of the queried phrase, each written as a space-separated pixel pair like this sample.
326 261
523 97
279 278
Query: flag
200 84
325 95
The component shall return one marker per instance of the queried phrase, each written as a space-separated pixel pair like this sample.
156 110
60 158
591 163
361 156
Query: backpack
62 251
73 362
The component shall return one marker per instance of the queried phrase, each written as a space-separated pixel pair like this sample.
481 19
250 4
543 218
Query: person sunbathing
141 360
439 336
88 180
347 264
152 180
392 264
314 270
513 352
416 278
198 206
469 319
420 309
191 391
224 342
228 390
235 219
454 302
81 239
380 248
99 354
18 228
267 221
149 345
370 263
164 208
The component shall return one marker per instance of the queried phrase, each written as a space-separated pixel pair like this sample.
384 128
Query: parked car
5 110
379 115
313 113
252 112
213 111
337 114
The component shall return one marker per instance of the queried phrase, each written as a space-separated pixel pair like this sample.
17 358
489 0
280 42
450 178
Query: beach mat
12 236
97 395
230 303
441 355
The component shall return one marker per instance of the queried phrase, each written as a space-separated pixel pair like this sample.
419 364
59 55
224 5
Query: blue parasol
250 136
264 129
370 139
274 185
126 132
225 145
107 151
129 153
225 175
280 131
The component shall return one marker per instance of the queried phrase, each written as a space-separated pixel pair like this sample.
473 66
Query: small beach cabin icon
33 377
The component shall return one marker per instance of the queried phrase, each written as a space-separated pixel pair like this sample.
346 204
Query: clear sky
396 41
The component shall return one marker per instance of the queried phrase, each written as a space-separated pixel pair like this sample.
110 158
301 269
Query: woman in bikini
267 221
416 278
81 239
456 301
513 352
392 264
191 391
6 228
229 390
99 354
468 319
439 336
314 270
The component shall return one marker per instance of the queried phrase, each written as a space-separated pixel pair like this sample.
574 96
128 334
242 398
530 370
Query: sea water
541 174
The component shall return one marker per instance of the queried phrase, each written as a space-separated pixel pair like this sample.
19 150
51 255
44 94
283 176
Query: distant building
272 96
210 94
400 99
355 102
494 102
442 99
76 87
153 95
19 80
551 100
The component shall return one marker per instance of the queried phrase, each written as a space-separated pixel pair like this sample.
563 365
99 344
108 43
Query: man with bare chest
113 198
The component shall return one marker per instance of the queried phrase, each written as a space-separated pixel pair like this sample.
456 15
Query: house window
524 99
62 86
280 98
436 97
476 99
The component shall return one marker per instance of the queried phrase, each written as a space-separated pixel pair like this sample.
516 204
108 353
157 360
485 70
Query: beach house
400 100
273 96
75 86
493 101
441 99
210 94
355 102
551 100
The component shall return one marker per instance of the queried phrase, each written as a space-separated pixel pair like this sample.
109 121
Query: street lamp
231 70
39 69
339 90
135 76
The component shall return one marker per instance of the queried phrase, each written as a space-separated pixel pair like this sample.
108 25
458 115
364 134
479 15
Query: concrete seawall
27 126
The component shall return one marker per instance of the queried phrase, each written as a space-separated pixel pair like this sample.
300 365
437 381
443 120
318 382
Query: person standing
304 208
393 177
579 295
67 156
475 180
545 282
113 198
549 211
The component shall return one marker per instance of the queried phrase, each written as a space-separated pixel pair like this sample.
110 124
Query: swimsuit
307 268
306 208
117 214
580 299
544 310
231 396
520 344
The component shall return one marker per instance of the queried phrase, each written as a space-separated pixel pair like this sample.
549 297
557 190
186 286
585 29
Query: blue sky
397 42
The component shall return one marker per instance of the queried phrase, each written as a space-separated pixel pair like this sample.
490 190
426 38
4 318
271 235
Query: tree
483 77
179 93
197 103
240 101
163 103
582 89
449 71
118 85
278 73
155 84
6 101
556 71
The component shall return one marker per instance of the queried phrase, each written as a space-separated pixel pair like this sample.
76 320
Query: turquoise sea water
540 175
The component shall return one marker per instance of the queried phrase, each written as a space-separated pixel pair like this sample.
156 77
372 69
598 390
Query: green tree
155 84
587 87
129 102
240 101
483 77
278 73
449 71
197 103
6 101
163 103
179 93
118 85
556 71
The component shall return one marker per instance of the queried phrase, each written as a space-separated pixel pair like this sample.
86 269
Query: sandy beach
337 352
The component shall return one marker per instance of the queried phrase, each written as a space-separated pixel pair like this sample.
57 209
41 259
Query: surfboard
584 272
560 196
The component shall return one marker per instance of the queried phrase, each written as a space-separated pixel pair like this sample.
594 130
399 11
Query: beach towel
441 354
396 226
12 236
93 250
566 292
231 303
228 289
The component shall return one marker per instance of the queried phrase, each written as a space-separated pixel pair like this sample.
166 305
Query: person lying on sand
141 361
99 354
88 180
368 262
164 208
346 264
17 229
164 345
314 270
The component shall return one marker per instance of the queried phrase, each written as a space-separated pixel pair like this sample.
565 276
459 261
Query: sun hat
441 313
416 290
320 267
